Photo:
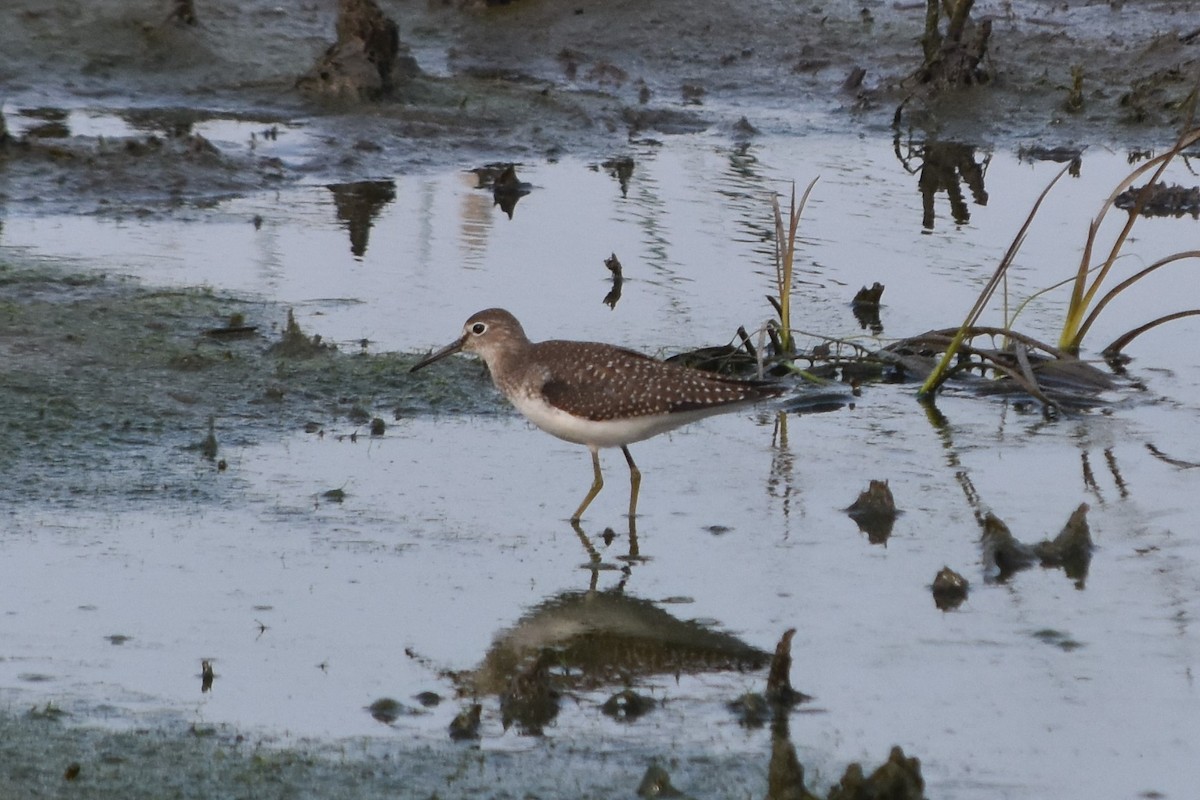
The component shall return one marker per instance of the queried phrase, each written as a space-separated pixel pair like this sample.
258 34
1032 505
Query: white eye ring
478 328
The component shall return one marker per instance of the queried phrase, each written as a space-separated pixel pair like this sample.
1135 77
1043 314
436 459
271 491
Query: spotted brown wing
600 382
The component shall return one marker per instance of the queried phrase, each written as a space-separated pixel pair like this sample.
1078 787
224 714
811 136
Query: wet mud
526 80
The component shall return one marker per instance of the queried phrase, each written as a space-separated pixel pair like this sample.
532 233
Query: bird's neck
504 362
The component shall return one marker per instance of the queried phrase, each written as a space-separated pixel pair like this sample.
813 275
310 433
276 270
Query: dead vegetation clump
368 60
986 359
953 59
1053 375
295 344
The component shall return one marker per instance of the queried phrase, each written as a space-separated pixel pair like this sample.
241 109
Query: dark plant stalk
931 42
785 254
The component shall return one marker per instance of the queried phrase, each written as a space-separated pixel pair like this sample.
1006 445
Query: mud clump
1161 201
627 705
657 783
949 589
953 60
874 511
898 778
1071 549
366 62
465 726
295 344
132 173
753 709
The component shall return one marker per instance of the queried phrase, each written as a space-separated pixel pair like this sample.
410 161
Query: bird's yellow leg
597 485
635 482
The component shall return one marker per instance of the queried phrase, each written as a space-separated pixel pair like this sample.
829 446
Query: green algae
168 760
113 388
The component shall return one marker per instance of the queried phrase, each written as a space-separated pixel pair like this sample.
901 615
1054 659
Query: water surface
453 527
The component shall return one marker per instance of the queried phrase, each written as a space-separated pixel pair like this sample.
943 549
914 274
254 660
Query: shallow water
692 233
454 528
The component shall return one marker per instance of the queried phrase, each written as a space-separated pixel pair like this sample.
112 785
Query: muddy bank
532 81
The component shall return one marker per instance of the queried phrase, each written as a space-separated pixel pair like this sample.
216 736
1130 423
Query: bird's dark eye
478 328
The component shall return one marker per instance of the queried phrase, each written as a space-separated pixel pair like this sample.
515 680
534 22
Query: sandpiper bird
593 394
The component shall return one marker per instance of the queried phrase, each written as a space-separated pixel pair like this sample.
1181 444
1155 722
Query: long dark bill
438 355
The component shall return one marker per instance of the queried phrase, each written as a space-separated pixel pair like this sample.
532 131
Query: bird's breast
600 433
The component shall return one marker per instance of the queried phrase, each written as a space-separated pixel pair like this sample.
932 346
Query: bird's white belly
604 433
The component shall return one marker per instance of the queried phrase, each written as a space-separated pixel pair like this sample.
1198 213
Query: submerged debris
183 11
868 297
618 278
208 445
1071 156
387 710
627 705
1161 200
875 512
949 589
898 778
1002 553
621 169
724 359
465 726
657 783
853 83
1074 102
294 344
779 683
47 712
865 306
234 328
1060 639
1071 549
507 189
1015 364
753 709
